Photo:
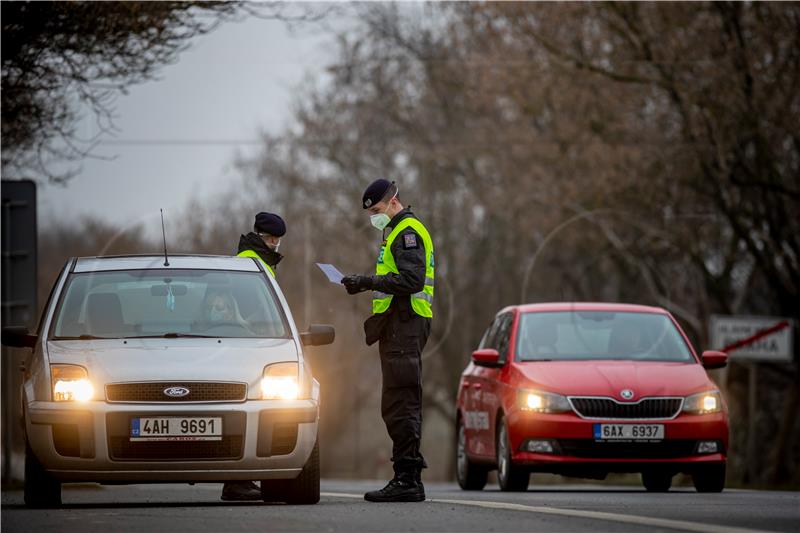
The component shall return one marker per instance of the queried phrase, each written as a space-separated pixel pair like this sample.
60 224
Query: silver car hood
112 361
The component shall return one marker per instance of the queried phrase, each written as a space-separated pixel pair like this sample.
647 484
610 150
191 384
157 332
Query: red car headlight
543 402
703 403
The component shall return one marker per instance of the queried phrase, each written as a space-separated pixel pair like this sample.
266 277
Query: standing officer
401 305
261 243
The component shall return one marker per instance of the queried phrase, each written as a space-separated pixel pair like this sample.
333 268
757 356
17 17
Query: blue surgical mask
216 316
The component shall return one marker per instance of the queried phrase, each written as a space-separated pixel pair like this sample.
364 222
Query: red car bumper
574 446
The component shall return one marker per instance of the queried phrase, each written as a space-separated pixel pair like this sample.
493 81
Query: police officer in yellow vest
263 242
402 295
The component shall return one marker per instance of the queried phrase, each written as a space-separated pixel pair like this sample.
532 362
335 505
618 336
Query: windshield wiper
81 338
173 335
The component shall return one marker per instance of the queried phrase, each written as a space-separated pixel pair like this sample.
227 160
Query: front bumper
88 441
575 449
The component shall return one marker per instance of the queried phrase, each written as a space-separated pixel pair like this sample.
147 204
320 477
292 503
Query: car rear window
591 335
155 303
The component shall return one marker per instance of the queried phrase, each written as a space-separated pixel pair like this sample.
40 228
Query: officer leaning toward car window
402 295
262 243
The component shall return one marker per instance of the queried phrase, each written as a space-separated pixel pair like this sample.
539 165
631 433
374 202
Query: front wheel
469 475
302 490
510 477
41 489
710 478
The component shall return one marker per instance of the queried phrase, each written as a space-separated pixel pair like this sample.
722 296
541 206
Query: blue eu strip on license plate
134 427
597 432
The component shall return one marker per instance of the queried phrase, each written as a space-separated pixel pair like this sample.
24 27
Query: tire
510 477
41 489
302 490
469 475
656 481
710 478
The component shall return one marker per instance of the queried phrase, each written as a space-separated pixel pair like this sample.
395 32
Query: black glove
356 283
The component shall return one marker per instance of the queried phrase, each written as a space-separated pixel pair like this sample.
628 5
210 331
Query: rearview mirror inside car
712 359
161 290
318 335
487 357
18 337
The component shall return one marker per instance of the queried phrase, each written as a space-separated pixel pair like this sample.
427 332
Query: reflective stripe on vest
421 302
251 253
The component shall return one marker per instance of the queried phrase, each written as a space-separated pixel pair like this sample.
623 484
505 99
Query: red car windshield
593 335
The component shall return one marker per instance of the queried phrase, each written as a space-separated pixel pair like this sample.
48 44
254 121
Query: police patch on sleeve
410 241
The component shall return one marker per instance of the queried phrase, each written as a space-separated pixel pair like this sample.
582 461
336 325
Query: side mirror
318 335
488 357
18 337
712 359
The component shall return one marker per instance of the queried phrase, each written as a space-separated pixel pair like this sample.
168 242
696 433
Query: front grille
646 409
667 449
199 391
121 448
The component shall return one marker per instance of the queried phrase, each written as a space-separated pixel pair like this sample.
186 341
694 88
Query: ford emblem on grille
626 394
176 392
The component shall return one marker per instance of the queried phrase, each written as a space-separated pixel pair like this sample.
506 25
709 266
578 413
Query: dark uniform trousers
400 345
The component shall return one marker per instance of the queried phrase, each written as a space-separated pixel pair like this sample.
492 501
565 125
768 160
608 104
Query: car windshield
168 303
592 335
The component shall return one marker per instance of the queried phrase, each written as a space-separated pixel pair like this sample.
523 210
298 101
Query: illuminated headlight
71 383
280 382
543 402
703 403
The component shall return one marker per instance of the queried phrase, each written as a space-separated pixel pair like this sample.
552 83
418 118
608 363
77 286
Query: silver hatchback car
189 369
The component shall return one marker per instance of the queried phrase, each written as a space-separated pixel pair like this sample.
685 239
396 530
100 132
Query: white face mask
381 220
274 247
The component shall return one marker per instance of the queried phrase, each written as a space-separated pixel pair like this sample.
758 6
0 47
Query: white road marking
665 523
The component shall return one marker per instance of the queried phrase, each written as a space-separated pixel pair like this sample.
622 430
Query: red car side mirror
486 357
712 359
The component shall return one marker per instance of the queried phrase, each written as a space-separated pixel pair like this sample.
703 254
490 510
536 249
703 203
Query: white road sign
758 338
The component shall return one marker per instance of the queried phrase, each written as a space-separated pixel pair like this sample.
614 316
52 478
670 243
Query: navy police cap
269 223
376 192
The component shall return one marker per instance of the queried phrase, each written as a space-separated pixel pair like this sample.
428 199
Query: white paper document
332 272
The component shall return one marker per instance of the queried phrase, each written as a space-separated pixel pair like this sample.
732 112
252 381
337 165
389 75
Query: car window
503 333
584 335
151 303
488 338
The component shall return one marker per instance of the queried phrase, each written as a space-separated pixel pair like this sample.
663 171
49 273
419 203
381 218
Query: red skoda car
584 389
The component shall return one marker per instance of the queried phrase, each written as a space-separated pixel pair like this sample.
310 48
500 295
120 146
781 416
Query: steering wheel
216 325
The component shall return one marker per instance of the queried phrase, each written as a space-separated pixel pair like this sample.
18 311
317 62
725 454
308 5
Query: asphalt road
573 508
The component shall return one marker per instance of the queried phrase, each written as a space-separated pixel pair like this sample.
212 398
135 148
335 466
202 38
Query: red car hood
609 378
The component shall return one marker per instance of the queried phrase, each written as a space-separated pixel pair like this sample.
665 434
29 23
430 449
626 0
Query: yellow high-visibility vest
251 253
421 302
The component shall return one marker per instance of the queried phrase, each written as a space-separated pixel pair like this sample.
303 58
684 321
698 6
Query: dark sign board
19 253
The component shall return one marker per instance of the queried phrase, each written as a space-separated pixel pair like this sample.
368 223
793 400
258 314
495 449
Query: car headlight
703 403
280 382
543 402
71 383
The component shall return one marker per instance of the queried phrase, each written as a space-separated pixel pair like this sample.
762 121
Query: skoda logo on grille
626 394
176 392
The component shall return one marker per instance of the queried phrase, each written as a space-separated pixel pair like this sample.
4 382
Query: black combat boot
240 491
403 488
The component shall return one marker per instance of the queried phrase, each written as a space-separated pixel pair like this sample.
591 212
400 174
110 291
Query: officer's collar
398 217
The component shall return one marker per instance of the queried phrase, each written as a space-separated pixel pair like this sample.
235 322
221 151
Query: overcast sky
230 84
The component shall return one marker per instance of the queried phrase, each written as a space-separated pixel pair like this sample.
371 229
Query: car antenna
164 234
